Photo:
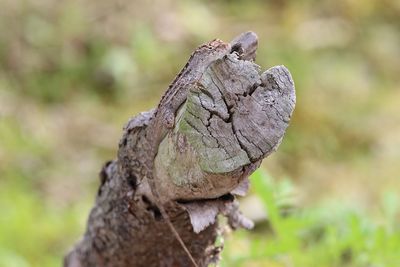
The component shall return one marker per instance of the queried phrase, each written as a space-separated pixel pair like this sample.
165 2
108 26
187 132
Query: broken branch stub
233 117
218 119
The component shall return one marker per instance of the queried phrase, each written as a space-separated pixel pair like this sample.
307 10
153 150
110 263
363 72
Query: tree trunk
188 157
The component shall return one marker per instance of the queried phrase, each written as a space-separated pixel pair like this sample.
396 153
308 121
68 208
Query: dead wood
190 156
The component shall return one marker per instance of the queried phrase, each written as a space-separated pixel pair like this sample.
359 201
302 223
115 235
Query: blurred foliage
326 234
73 72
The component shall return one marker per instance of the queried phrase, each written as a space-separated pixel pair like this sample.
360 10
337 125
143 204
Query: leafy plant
327 234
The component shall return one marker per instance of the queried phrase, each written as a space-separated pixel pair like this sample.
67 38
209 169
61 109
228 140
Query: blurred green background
73 72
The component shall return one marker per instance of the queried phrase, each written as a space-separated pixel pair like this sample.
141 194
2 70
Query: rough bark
188 157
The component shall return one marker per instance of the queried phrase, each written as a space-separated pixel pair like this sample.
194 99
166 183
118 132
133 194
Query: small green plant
327 234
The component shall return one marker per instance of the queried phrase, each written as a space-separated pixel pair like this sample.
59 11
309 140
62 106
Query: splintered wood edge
233 117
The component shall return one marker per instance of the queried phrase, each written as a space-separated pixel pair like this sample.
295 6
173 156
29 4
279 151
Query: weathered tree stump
189 157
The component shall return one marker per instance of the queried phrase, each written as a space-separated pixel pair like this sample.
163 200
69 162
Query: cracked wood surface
189 157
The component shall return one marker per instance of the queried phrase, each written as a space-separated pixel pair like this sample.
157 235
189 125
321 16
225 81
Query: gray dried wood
183 162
